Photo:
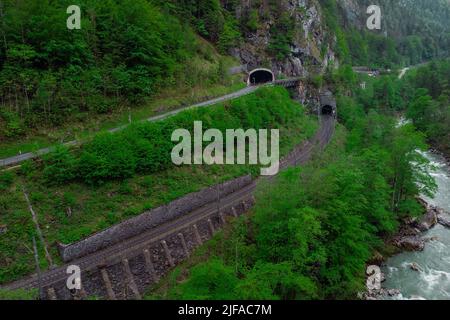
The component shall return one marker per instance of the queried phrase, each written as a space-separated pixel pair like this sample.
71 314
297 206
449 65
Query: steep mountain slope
419 28
126 52
287 36
402 18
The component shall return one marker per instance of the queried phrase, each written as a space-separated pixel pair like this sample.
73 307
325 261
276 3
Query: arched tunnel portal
260 76
328 104
327 110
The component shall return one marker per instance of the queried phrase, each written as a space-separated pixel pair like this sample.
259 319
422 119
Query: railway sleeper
130 283
107 282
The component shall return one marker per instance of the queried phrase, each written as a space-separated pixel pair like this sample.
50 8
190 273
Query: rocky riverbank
409 238
445 155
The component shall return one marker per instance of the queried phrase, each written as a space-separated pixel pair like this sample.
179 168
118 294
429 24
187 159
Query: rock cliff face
307 47
291 37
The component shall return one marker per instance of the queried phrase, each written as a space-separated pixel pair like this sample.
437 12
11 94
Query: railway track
188 231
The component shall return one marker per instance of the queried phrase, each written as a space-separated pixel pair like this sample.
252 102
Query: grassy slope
96 208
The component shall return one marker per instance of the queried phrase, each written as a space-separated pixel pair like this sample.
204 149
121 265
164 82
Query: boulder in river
414 266
441 211
428 239
444 221
379 294
429 220
410 243
393 292
409 231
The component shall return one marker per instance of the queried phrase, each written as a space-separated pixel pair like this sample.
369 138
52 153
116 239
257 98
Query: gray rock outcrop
410 243
444 221
309 49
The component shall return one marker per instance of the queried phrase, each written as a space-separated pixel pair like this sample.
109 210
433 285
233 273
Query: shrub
146 147
6 180
60 165
107 157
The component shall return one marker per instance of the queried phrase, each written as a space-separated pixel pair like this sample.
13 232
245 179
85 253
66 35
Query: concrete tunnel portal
260 76
327 110
328 104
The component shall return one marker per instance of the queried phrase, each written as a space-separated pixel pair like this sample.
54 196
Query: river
433 281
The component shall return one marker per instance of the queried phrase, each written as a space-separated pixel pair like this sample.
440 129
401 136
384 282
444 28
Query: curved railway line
125 270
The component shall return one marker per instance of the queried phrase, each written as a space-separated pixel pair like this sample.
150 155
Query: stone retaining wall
116 280
150 219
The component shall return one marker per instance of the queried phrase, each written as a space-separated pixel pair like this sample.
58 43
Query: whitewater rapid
432 282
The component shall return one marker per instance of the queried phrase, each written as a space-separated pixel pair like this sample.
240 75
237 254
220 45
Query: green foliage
333 24
146 147
108 156
253 20
18 295
313 229
77 208
317 81
209 18
210 281
60 166
125 52
10 124
410 33
229 36
371 49
427 92
387 94
6 180
282 34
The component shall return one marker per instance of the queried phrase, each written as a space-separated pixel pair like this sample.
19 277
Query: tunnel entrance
327 110
260 76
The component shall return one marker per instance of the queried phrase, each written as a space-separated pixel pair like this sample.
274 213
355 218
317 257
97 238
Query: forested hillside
125 52
412 31
428 93
313 231
315 228
119 175
129 52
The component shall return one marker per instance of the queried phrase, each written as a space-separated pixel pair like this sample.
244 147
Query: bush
60 165
12 127
6 180
107 157
210 281
146 147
